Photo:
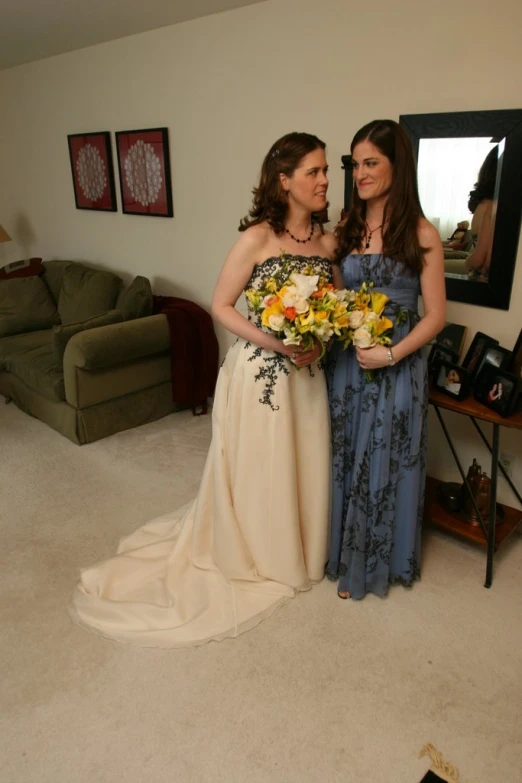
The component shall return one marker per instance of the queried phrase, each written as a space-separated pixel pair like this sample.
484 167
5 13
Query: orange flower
290 313
272 300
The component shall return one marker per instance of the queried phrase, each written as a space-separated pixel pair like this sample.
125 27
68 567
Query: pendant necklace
302 241
370 233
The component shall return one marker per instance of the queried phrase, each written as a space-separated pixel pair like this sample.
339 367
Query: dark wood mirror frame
502 124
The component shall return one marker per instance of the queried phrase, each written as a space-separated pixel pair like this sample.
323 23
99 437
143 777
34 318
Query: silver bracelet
390 357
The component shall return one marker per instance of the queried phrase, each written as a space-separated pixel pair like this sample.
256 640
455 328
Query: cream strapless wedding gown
257 532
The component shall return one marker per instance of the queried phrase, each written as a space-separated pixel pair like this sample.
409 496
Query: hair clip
274 154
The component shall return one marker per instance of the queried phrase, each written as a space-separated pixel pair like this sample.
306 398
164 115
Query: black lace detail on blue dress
379 441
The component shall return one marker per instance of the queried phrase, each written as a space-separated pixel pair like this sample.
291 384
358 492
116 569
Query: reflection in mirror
482 272
458 186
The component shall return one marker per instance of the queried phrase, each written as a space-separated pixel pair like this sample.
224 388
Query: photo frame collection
492 373
143 169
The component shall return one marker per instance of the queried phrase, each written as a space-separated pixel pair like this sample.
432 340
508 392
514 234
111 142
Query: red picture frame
144 172
92 171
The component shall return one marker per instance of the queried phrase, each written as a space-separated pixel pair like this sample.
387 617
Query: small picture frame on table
144 171
494 355
452 336
92 171
440 353
497 389
475 353
452 379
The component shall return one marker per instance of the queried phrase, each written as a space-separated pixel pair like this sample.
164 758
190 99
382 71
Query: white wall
226 86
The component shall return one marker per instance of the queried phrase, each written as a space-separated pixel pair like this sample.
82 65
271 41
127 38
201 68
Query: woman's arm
232 280
433 289
480 258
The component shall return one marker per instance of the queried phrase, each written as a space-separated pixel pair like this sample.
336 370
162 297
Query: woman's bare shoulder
255 238
427 233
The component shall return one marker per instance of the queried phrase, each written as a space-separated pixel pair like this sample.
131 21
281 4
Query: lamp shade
4 236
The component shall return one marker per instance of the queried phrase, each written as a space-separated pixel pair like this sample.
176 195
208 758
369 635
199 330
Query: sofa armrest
105 346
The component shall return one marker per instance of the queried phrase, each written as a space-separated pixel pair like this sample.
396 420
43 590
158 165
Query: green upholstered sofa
81 352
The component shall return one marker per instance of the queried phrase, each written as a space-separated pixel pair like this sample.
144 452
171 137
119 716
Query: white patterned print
143 173
91 172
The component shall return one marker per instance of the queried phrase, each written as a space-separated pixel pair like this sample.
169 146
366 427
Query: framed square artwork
144 171
92 171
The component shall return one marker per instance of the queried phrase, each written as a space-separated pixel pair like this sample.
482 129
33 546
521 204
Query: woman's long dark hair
402 210
270 202
485 187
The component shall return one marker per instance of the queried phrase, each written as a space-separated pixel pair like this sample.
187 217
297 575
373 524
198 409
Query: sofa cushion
135 301
63 333
86 292
30 357
25 306
53 276
25 268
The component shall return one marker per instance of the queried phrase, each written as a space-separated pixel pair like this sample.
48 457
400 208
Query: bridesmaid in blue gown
379 425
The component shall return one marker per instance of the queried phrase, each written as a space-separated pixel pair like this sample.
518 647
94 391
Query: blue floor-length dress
379 446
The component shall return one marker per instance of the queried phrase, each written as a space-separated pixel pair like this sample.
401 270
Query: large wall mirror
455 152
469 167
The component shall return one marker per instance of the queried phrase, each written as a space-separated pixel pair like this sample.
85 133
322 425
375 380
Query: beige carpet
325 690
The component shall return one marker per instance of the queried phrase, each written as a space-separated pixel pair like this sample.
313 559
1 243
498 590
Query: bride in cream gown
257 532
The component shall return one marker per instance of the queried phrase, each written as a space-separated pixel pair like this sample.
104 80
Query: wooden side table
488 533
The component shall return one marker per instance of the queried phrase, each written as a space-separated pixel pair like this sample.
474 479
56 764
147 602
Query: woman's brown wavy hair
402 210
270 202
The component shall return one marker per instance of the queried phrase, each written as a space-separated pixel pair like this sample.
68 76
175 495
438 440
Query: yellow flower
304 322
320 315
275 309
378 302
253 297
383 325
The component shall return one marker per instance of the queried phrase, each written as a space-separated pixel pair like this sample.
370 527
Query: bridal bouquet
367 326
301 307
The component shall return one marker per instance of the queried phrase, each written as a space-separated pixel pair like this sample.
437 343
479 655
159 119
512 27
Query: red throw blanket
194 351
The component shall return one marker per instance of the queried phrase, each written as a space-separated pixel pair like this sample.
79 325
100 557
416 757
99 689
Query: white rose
371 318
305 284
301 306
362 337
276 322
290 297
355 319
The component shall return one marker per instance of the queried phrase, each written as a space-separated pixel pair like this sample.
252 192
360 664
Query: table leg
492 506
